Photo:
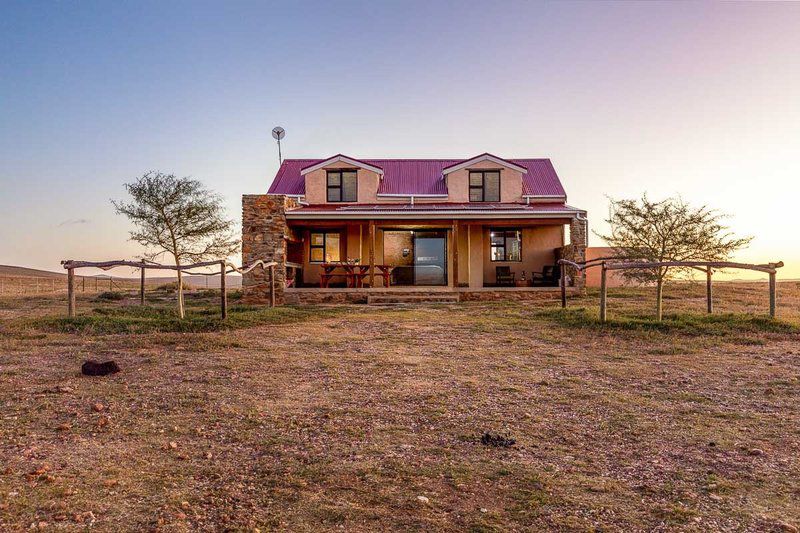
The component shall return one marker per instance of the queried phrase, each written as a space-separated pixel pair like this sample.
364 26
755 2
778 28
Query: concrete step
413 298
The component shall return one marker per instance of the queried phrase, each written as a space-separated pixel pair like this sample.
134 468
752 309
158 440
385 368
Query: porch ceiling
435 211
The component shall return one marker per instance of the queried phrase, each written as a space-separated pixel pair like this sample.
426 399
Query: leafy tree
669 230
177 217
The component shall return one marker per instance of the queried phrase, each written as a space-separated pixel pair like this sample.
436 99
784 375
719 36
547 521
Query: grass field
359 418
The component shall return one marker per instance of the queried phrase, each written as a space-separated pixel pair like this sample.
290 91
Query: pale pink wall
510 183
317 186
538 249
348 249
614 278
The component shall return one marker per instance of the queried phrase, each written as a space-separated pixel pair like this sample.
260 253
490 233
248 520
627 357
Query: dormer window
484 185
342 186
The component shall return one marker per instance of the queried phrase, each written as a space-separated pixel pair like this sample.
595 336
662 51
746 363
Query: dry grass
343 420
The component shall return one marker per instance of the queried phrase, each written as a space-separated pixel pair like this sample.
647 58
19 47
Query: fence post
83 284
71 292
772 291
223 290
709 302
603 291
272 285
563 287
141 284
111 283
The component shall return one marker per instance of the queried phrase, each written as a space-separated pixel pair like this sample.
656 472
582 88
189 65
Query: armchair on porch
548 277
504 277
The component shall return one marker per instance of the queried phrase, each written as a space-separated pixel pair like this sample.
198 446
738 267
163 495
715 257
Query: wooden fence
28 285
607 264
143 266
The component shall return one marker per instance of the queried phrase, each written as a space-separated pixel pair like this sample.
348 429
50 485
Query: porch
408 255
462 248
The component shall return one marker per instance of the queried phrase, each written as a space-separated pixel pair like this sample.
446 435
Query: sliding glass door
417 257
430 258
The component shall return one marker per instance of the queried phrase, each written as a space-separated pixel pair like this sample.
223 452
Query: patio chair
504 277
548 277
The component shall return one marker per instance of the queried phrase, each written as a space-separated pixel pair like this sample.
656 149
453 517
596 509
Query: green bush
172 286
111 296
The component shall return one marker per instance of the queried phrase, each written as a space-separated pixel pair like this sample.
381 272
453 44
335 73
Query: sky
700 100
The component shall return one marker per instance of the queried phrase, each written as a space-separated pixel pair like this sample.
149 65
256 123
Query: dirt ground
365 418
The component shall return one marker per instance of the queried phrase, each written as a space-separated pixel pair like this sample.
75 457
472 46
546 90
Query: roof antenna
279 133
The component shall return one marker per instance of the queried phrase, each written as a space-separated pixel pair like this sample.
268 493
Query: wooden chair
548 277
504 277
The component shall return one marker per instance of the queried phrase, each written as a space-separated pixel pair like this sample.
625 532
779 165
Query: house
614 278
346 229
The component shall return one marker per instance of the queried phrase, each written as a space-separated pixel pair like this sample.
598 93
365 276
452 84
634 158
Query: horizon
691 100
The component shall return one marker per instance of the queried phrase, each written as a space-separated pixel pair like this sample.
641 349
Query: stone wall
360 296
575 251
264 229
549 293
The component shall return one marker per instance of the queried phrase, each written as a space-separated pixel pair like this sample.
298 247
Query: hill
211 282
8 270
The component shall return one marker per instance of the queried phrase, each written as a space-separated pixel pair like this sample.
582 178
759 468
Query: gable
481 159
342 159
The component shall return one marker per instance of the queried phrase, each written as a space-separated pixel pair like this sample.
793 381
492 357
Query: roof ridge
418 159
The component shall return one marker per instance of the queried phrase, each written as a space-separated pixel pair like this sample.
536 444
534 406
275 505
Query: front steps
412 298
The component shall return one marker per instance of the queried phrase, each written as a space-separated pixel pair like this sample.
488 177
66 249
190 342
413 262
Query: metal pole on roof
279 133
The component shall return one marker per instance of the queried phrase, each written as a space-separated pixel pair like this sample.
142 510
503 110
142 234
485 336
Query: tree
669 230
178 217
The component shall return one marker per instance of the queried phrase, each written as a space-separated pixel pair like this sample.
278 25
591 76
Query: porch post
372 254
455 253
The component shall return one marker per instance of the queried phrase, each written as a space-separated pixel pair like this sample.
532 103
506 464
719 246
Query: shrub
110 296
172 286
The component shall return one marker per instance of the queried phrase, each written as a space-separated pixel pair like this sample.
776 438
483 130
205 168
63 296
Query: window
484 185
342 186
506 245
324 247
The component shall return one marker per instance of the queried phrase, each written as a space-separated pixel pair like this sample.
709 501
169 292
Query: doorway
419 257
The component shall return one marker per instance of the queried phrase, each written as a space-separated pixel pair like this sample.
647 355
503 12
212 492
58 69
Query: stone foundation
516 295
264 229
359 296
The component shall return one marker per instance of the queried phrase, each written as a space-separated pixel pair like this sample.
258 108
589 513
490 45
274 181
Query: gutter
428 215
297 197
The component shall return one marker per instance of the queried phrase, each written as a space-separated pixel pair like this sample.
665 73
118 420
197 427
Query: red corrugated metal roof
420 176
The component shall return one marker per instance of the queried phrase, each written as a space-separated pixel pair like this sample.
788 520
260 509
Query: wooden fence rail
225 268
607 264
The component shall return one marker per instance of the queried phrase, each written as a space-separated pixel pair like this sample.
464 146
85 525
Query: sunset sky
700 100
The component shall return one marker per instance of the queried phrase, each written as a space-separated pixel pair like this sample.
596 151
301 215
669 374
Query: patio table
328 271
354 273
385 272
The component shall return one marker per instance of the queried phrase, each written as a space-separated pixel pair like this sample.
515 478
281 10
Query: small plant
172 286
497 441
111 296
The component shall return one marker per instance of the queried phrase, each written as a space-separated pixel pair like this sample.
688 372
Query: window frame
482 186
323 246
328 187
504 246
